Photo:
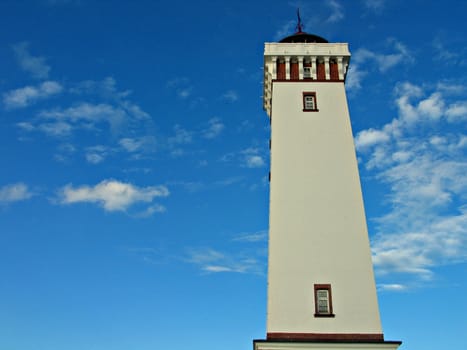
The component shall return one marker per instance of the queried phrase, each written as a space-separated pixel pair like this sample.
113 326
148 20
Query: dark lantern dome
302 37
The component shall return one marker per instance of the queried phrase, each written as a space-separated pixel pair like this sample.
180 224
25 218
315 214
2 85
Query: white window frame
309 102
323 300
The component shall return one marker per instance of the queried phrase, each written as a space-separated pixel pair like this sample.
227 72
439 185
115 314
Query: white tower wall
318 231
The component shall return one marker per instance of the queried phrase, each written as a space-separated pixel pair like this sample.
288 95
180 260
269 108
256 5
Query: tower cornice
303 61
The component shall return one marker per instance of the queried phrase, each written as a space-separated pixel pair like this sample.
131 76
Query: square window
309 102
323 300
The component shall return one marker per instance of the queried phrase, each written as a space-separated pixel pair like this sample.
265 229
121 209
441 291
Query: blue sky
134 157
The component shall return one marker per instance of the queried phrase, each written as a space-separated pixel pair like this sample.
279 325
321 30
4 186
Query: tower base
324 345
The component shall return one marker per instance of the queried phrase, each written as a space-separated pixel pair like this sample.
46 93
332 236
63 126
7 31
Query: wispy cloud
376 61
112 195
14 193
228 181
27 95
260 236
64 152
96 154
421 157
252 158
384 61
245 253
354 77
230 96
136 145
287 29
196 186
254 161
182 87
213 129
337 12
105 88
190 186
111 114
448 53
375 5
181 136
151 210
370 137
395 287
60 122
35 65
213 261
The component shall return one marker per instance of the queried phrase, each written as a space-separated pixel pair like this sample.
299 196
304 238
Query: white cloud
337 11
215 127
395 287
375 5
422 160
372 60
370 137
35 65
94 158
254 161
176 82
57 129
286 30
216 268
105 88
14 193
110 118
134 110
230 96
457 111
27 95
260 236
202 256
450 88
65 150
26 126
384 61
96 154
138 144
189 186
417 253
149 211
85 116
252 158
213 261
182 87
354 77
229 181
112 195
432 107
182 136
443 54
185 92
130 145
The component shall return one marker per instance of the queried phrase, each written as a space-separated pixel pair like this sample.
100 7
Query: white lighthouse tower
321 287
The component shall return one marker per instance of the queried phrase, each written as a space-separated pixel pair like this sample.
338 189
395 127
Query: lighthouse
321 286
